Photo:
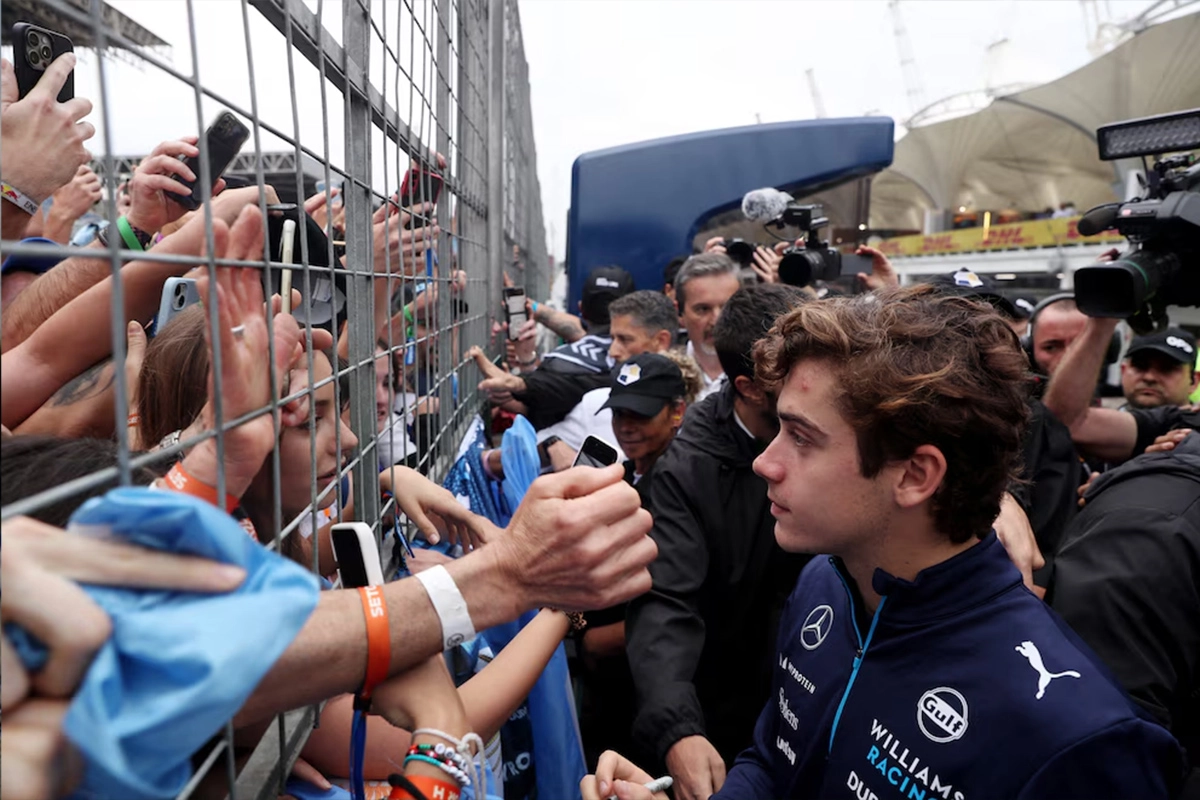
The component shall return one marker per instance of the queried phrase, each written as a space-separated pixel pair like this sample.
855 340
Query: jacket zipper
858 657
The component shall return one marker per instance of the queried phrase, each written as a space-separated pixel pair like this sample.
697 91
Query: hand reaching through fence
156 182
43 137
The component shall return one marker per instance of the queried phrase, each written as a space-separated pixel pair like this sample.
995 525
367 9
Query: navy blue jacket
962 686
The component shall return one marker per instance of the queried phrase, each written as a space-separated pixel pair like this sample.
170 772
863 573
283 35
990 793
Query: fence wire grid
351 94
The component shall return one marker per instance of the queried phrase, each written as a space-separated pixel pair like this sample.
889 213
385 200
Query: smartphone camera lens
33 39
34 59
46 52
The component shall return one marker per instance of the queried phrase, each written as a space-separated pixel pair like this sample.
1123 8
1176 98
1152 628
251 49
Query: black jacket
551 394
1127 579
701 642
1054 472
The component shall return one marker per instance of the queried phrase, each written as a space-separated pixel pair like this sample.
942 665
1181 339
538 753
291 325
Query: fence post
356 33
495 149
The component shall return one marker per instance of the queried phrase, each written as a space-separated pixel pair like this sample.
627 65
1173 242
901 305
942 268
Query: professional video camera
815 260
1161 268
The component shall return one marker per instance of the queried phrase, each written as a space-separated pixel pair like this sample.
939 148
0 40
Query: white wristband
19 199
450 606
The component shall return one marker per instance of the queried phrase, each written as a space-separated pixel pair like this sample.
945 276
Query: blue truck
640 205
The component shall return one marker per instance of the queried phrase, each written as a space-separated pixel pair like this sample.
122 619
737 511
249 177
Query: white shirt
393 445
710 384
583 421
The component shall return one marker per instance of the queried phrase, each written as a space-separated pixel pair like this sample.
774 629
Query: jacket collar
970 578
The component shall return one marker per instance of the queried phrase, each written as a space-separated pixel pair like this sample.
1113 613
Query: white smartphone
514 309
595 452
357 555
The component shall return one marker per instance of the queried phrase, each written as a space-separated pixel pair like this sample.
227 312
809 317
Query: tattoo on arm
561 323
91 382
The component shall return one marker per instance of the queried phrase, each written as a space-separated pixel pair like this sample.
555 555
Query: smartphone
595 453
357 555
419 186
225 138
177 295
34 48
852 264
514 309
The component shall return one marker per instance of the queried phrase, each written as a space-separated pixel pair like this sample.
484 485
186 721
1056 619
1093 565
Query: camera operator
1104 433
1052 328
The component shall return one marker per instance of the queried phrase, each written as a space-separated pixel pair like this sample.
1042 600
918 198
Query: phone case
28 74
177 295
412 188
225 138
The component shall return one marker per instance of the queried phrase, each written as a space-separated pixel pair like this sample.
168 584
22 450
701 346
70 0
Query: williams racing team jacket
961 686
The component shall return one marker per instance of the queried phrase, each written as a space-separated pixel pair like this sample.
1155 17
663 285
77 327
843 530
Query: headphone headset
1114 347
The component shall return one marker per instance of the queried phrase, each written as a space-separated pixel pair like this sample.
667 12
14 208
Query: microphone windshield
1100 218
763 205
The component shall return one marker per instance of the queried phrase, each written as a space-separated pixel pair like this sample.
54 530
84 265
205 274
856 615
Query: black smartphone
34 48
514 309
595 453
225 138
852 264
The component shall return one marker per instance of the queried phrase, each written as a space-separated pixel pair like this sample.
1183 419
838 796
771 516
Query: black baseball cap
603 285
1174 342
966 283
645 384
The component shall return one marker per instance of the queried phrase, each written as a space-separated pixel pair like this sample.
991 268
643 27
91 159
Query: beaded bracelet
451 770
442 753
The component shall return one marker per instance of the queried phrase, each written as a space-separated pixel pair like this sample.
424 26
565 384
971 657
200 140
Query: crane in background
818 105
913 86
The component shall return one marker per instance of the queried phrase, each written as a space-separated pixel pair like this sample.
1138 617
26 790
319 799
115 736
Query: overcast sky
611 72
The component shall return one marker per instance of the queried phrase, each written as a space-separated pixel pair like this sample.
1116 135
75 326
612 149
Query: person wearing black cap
1160 369
648 400
965 283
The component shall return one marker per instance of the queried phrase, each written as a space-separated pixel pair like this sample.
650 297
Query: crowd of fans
876 544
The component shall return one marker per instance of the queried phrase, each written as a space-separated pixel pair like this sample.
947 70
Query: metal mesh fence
352 94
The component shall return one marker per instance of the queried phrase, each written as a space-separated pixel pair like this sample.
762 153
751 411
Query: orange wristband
428 786
379 638
178 480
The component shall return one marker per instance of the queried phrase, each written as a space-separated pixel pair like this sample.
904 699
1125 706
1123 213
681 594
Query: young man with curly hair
912 661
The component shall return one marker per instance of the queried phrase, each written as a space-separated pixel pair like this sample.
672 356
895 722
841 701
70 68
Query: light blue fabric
557 757
518 452
178 665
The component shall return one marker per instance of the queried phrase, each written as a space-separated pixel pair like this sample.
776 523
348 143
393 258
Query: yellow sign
1032 233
